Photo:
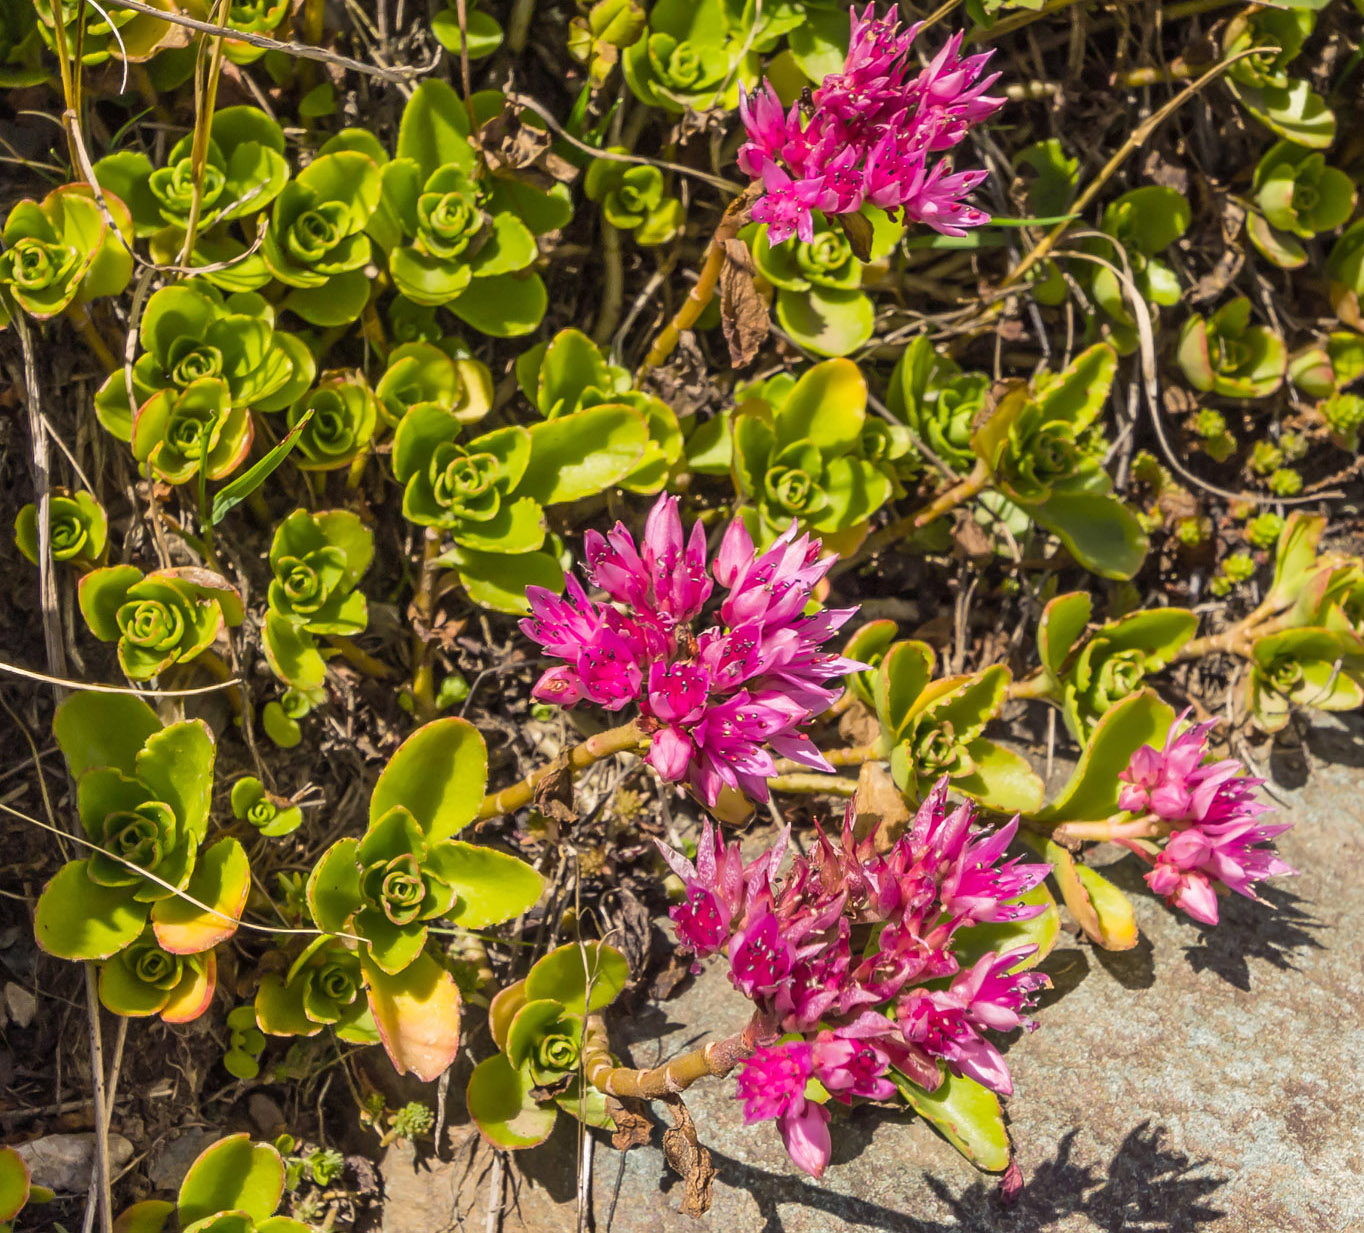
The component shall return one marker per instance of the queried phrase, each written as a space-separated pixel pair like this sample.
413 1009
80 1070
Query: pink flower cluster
716 702
853 952
1209 811
871 136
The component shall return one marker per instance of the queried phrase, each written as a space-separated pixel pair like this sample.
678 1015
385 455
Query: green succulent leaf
499 1100
492 886
79 919
438 774
1091 793
233 1174
584 453
1039 932
103 730
966 1114
584 976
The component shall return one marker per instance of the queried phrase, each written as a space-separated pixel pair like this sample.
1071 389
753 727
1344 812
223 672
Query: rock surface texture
1210 1079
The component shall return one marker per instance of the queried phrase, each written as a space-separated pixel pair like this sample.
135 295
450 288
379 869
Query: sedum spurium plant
386 890
142 794
62 251
233 1186
799 454
306 325
78 529
873 972
1087 671
190 331
538 1025
316 561
159 619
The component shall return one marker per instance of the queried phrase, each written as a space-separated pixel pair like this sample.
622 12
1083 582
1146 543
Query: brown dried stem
625 739
734 217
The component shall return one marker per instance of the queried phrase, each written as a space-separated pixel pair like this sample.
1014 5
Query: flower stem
734 217
423 671
613 285
626 738
963 490
813 784
79 316
716 1058
359 658
1034 685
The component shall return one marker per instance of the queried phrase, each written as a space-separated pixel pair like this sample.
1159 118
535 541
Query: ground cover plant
513 505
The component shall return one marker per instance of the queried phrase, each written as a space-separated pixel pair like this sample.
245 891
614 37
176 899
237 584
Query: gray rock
1210 1079
64 1162
172 1161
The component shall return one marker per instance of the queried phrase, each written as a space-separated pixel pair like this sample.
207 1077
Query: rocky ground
1210 1079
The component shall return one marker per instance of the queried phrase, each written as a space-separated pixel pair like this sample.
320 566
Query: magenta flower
1209 817
871 136
947 1023
852 951
718 887
722 704
772 1085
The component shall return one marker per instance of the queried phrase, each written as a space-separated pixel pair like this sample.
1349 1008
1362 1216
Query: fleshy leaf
233 1174
221 881
438 774
417 1014
499 1100
584 976
966 1114
492 886
79 919
103 730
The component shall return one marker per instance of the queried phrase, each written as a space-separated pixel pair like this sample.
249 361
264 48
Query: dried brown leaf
879 806
689 1159
743 311
554 793
634 1128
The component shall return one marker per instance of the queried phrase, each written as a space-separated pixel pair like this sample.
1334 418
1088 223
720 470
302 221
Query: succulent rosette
144 979
244 171
272 816
142 795
316 242
799 453
61 251
183 433
323 987
422 372
157 619
931 395
78 529
344 416
190 331
116 34
633 198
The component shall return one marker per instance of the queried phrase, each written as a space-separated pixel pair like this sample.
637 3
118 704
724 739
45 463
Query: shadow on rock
1134 968
1273 930
1147 1187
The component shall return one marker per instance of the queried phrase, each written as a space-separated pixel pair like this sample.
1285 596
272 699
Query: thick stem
423 670
963 490
79 316
626 738
359 658
734 217
813 783
613 285
716 1058
1035 685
